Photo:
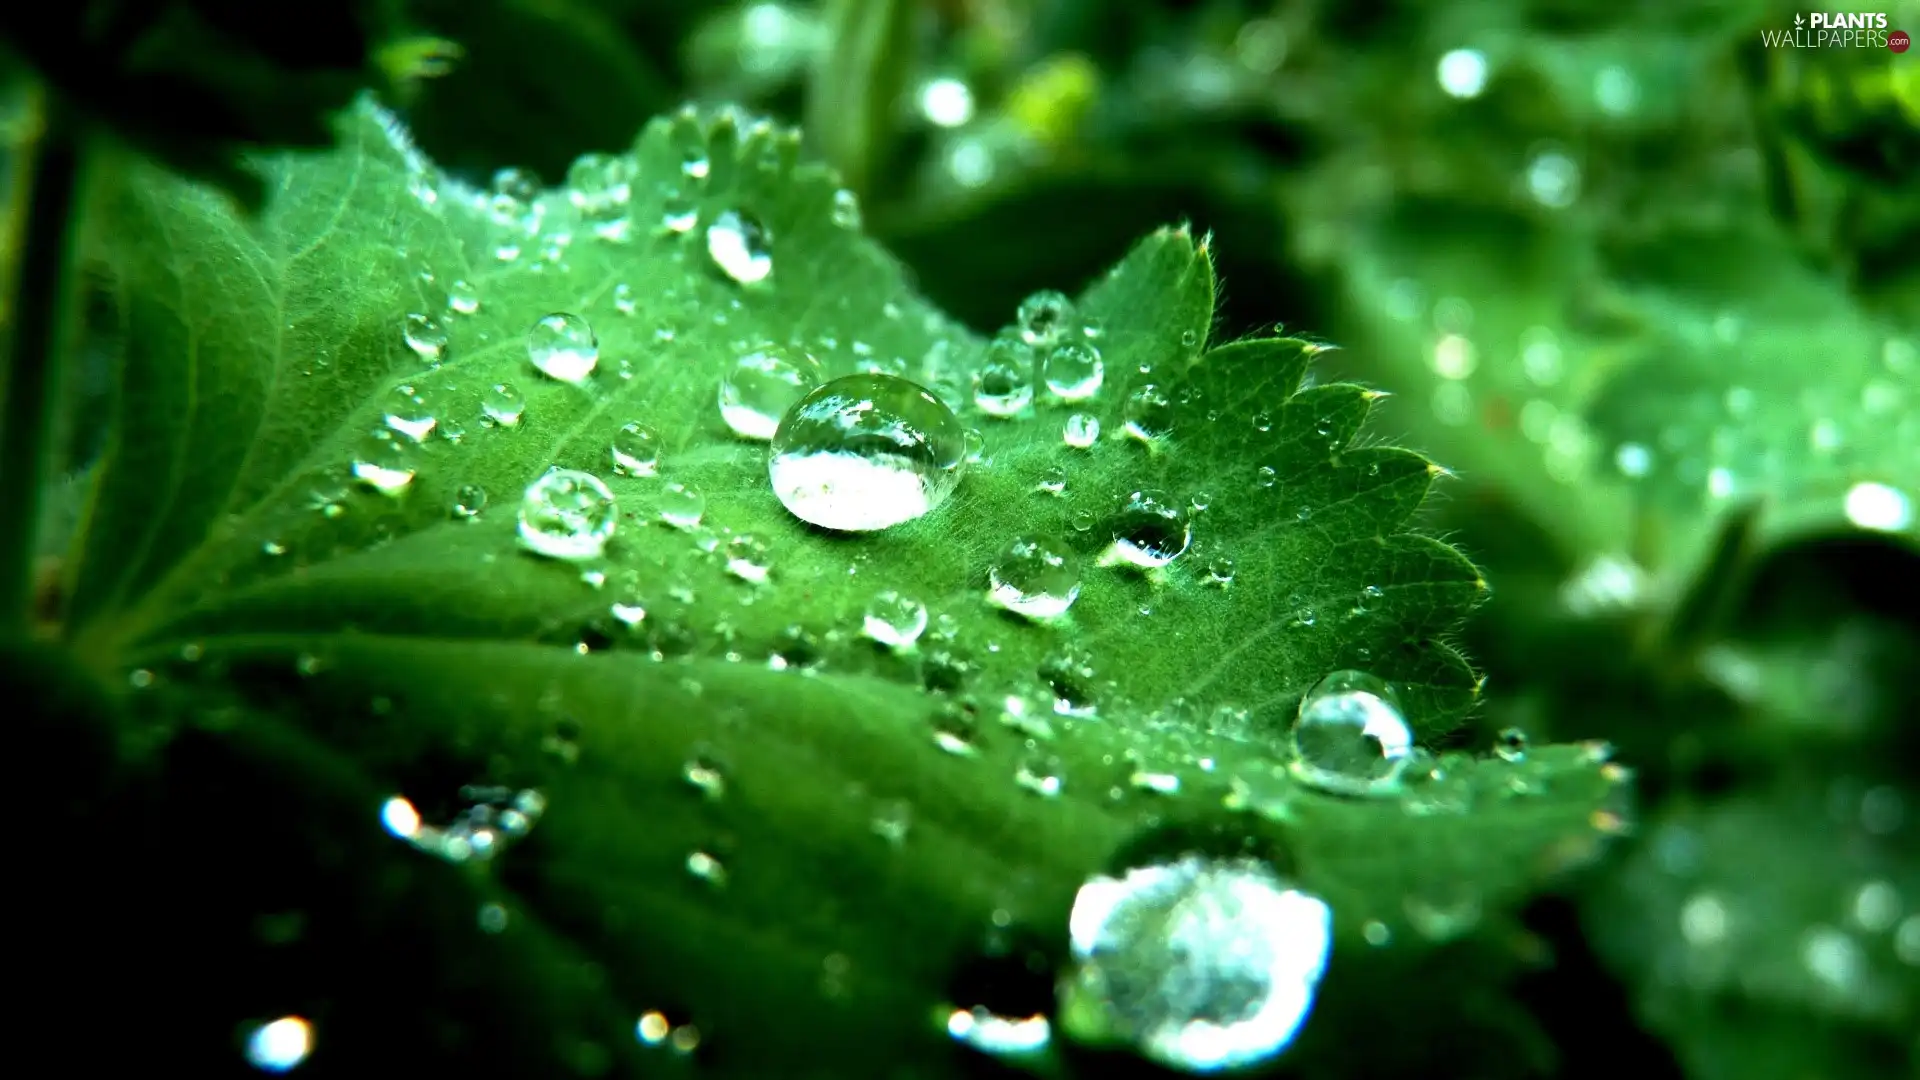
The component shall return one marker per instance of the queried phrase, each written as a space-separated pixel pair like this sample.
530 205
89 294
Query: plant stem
47 181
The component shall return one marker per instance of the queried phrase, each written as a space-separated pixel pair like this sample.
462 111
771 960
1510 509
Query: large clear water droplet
1199 964
635 450
894 620
1149 532
503 404
680 506
567 514
866 452
739 246
1350 737
383 461
563 347
426 337
1044 318
1148 414
407 413
1004 384
1081 431
762 385
1035 577
1074 371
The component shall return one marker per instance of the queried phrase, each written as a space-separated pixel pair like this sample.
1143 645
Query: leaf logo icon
1799 21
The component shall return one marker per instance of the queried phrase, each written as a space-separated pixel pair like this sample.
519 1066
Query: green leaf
233 546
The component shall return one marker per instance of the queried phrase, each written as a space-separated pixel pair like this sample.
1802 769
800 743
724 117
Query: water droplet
1074 371
600 187
706 776
1053 481
407 414
1511 744
892 820
680 506
739 246
280 1046
1149 532
503 404
762 385
426 337
894 620
1004 384
469 501
462 298
1009 1037
1081 431
1148 414
707 868
1200 964
1350 737
562 346
1220 570
1036 578
635 450
383 462
866 452
623 299
1039 772
1043 317
748 559
846 209
567 514
956 729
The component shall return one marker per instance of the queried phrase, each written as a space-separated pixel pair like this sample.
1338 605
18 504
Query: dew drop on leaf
1350 737
748 559
846 209
894 620
1043 317
762 385
383 461
623 301
564 347
426 337
567 514
1199 964
469 501
1148 414
1074 371
1511 744
866 452
407 413
462 298
1149 531
1220 570
1081 431
503 404
679 215
281 1045
738 245
1035 577
1004 384
680 506
600 187
705 775
1040 773
635 450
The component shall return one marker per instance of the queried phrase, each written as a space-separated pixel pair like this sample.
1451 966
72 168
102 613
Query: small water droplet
1074 371
1350 737
892 820
1220 570
1201 964
635 450
707 868
1148 414
680 506
956 729
462 297
1040 773
705 775
1149 531
1043 317
600 186
281 1045
846 209
1004 384
1189 338
407 414
679 215
384 462
469 501
562 346
623 299
1053 481
866 452
1036 578
567 514
426 337
894 620
1081 431
762 385
739 246
1511 744
748 559
503 404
